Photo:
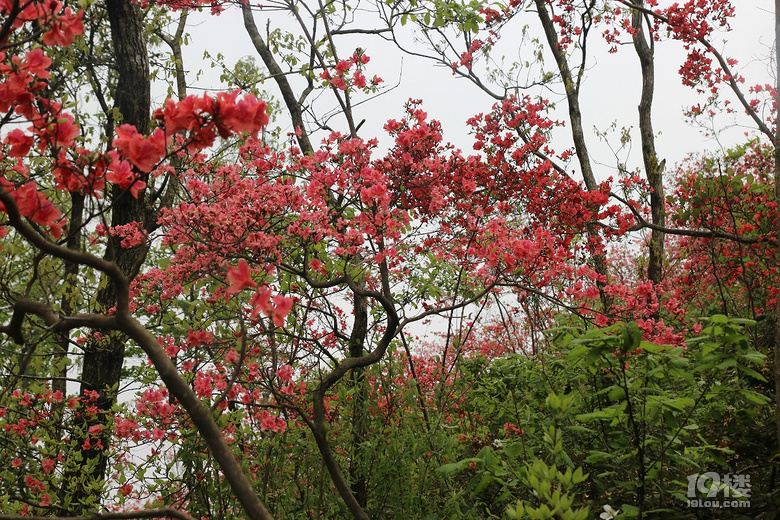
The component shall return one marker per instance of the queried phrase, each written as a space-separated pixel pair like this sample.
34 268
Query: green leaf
616 393
598 456
513 450
753 356
744 321
578 352
652 348
631 336
730 362
596 416
578 429
755 397
679 404
456 467
752 373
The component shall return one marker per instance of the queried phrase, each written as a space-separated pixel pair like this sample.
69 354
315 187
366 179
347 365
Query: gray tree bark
103 360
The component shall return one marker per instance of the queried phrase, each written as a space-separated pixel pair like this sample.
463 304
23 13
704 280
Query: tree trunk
103 358
653 169
357 465
572 88
70 276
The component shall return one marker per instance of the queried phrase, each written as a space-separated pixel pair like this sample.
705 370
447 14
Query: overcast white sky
610 92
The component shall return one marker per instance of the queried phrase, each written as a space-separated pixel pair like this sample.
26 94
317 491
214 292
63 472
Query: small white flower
498 444
609 513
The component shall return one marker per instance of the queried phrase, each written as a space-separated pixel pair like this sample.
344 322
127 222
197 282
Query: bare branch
339 32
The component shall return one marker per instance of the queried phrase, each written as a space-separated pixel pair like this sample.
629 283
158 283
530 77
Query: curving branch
201 417
374 355
54 321
46 246
318 424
